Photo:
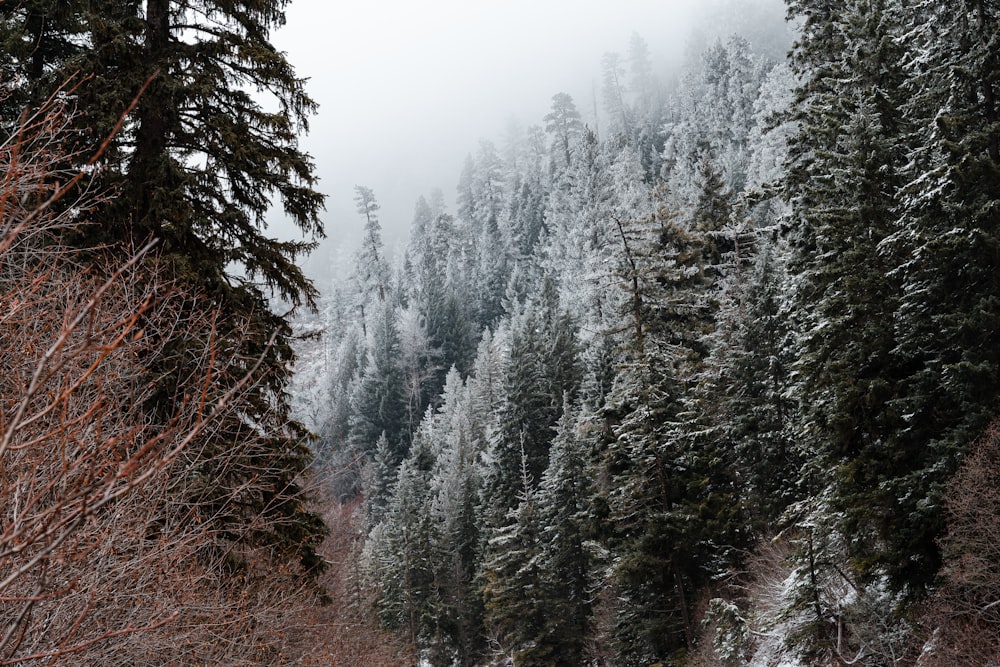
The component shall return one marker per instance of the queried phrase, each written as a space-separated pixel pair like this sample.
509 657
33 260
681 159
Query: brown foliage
102 562
344 631
963 615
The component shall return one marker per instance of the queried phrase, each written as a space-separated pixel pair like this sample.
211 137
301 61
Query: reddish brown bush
102 561
963 615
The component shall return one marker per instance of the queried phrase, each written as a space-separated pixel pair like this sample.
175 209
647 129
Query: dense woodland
707 381
701 383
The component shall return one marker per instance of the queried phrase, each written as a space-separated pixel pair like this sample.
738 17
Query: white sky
407 88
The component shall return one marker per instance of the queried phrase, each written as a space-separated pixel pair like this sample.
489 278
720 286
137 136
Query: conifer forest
700 372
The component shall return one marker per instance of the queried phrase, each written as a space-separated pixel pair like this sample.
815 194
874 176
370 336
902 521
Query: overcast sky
407 88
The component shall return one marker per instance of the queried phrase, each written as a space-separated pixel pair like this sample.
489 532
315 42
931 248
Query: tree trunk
153 116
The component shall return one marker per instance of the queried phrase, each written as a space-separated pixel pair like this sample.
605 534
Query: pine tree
400 553
455 485
372 267
444 296
525 414
948 324
565 127
672 503
510 578
844 190
492 273
753 360
526 216
418 365
648 107
541 369
35 35
564 564
381 487
614 89
378 405
195 166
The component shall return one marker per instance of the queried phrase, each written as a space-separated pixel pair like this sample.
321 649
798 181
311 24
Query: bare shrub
102 560
963 615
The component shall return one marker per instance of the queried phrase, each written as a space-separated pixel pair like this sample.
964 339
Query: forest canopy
687 386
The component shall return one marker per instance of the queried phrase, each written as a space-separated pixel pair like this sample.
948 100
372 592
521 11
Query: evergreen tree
378 406
948 326
541 368
455 485
614 90
564 125
208 213
526 216
486 383
418 365
372 268
445 296
35 35
525 414
511 579
647 105
400 554
491 274
195 165
672 498
642 80
752 360
713 115
481 188
381 487
563 562
844 193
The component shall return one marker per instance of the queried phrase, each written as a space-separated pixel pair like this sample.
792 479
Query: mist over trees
707 380
690 387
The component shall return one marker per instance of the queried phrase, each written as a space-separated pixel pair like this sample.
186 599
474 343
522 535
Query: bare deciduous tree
102 561
963 615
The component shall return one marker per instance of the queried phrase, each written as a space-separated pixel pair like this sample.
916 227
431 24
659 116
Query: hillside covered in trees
706 379
708 383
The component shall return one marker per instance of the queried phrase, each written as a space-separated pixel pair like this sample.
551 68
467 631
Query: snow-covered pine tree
844 189
399 553
564 565
541 367
672 503
751 361
510 579
455 486
948 323
378 403
372 268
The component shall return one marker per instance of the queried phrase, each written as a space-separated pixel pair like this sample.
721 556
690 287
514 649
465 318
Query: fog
407 89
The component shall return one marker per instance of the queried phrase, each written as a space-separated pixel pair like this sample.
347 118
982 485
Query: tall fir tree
510 578
752 359
542 368
372 268
400 550
675 521
844 185
378 404
563 562
948 323
455 485
564 125
196 166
